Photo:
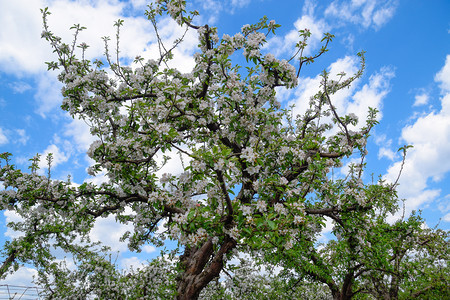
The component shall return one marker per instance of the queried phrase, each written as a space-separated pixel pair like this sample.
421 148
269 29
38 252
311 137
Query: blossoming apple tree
370 258
252 175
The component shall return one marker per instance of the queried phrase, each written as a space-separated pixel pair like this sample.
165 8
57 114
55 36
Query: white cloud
385 149
446 218
139 4
368 13
148 249
12 216
286 45
79 131
345 169
17 136
383 15
183 54
22 136
214 9
372 94
21 278
174 164
443 76
239 3
444 204
19 87
428 160
132 262
59 157
48 96
352 100
210 4
99 178
22 51
308 87
109 231
431 140
137 36
3 138
421 99
326 230
161 226
348 41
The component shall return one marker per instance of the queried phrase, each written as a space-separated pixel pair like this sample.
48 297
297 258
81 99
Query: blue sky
407 78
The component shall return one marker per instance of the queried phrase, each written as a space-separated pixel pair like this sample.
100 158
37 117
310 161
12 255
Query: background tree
411 261
370 257
248 172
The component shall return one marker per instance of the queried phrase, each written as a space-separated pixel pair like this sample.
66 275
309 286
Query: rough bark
346 293
201 265
7 263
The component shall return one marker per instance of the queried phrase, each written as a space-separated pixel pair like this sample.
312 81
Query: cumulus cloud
132 262
367 13
79 131
48 95
3 138
421 99
23 277
109 231
286 44
21 137
139 4
443 76
12 216
364 13
428 160
183 54
372 93
22 51
59 157
355 99
174 164
444 207
148 249
326 230
385 149
308 86
137 36
16 136
446 218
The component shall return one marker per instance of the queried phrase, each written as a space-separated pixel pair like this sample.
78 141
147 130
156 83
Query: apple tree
249 172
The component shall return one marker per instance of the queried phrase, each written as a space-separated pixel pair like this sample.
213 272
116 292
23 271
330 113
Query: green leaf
272 224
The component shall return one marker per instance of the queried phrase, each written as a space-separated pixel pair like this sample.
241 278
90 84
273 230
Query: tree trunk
393 291
342 296
201 265
346 293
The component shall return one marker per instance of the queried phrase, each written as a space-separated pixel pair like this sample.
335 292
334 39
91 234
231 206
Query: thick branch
133 97
7 263
226 195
